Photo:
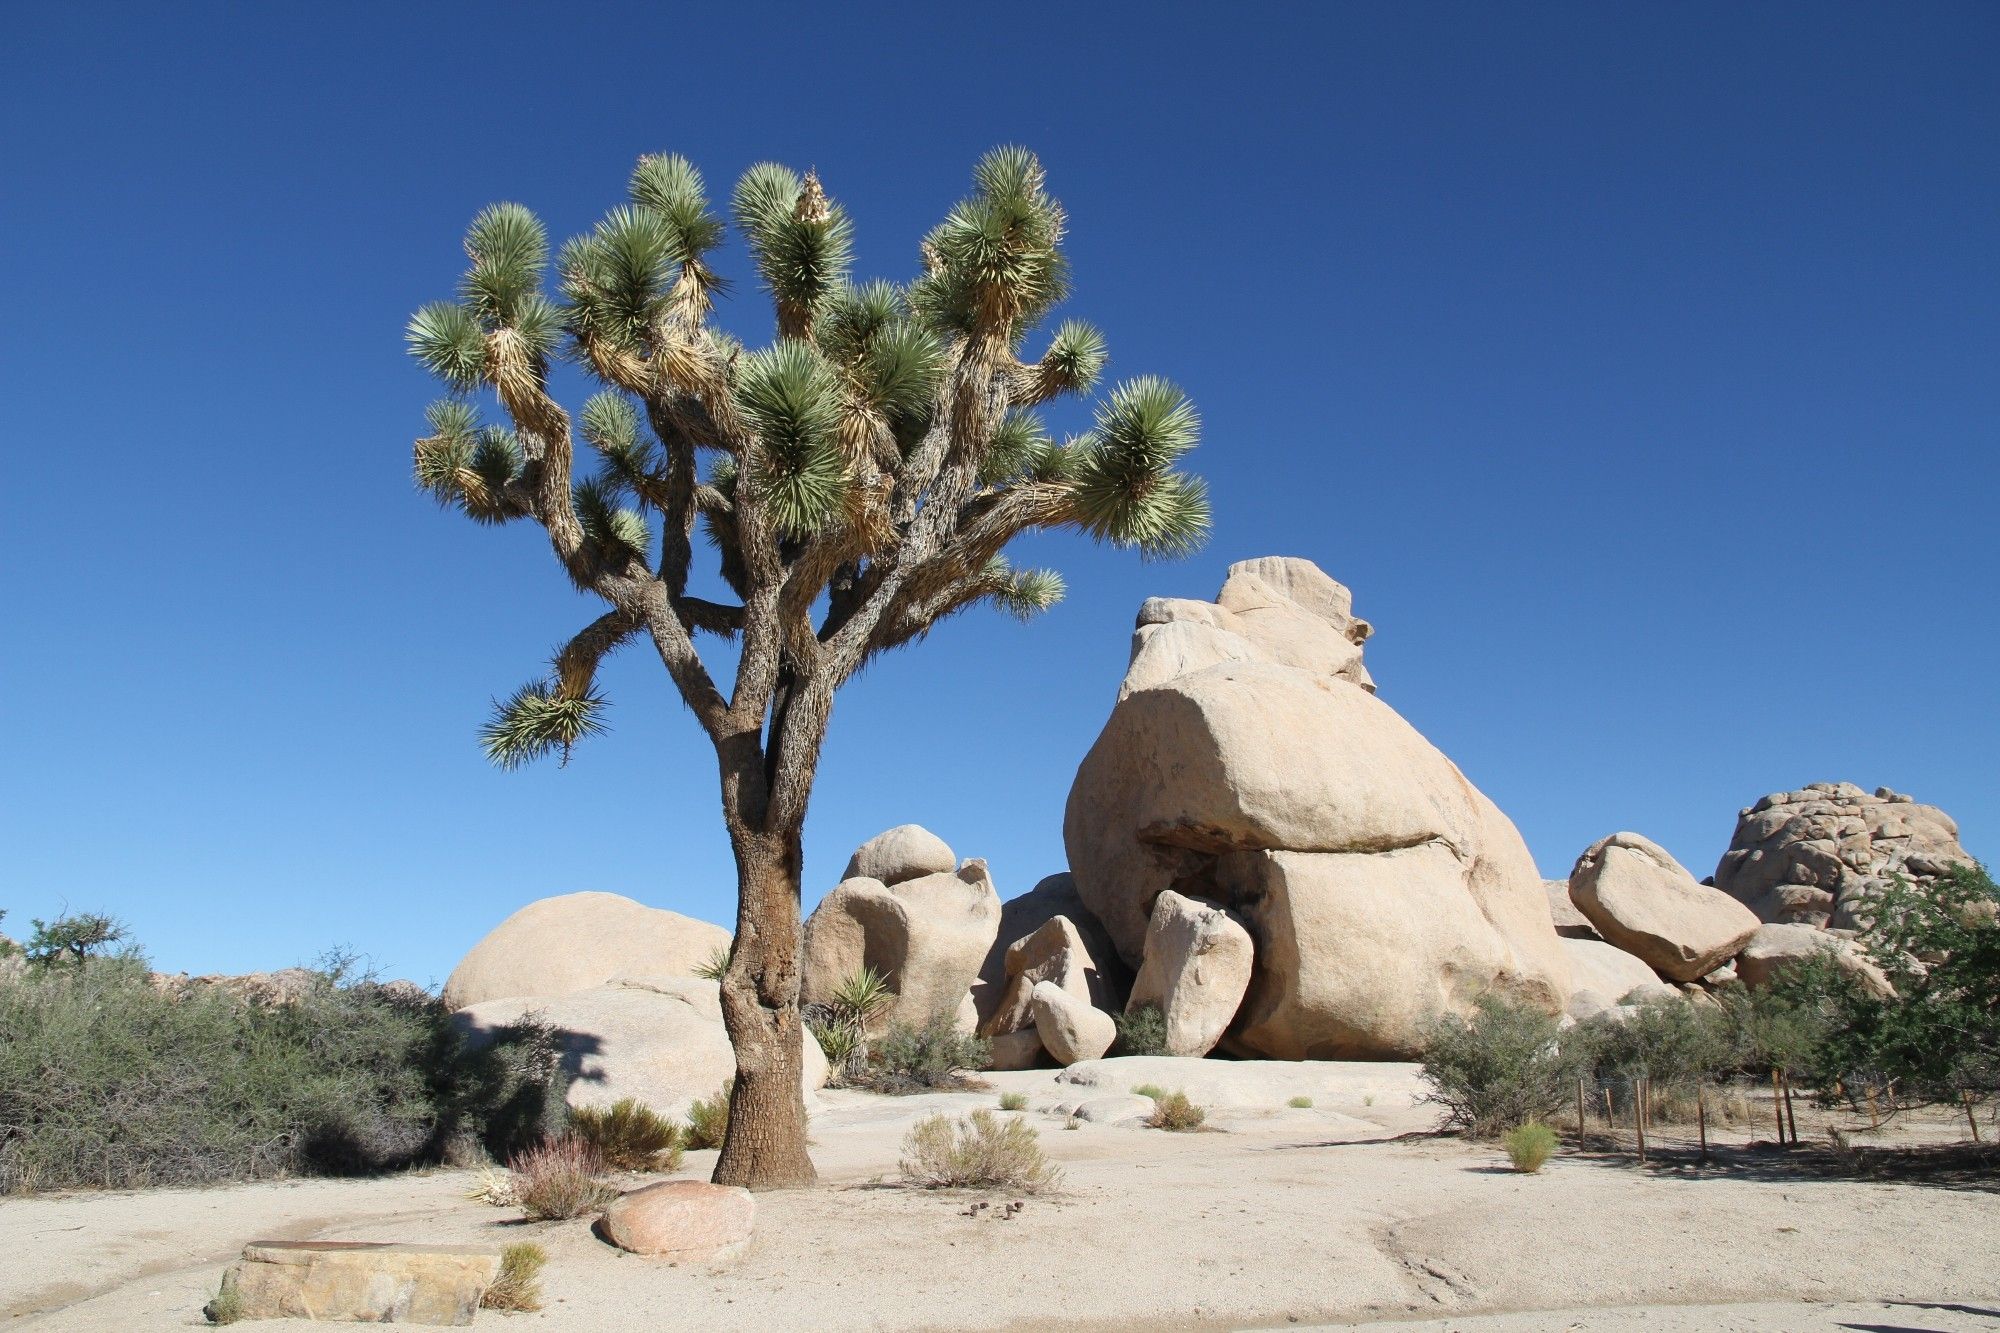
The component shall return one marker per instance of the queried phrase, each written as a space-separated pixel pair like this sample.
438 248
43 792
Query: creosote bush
1529 1146
1141 1031
1503 1067
629 1136
980 1151
560 1178
708 1118
1174 1111
917 1059
519 1285
108 1081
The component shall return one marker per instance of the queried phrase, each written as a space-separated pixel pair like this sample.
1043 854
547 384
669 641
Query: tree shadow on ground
1959 1166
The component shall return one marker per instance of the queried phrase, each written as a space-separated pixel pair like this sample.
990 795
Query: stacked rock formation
1248 765
1814 856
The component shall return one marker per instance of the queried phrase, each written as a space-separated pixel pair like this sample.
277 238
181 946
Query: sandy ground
1281 1218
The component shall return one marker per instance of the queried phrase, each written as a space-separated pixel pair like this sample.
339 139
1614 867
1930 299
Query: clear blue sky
1638 367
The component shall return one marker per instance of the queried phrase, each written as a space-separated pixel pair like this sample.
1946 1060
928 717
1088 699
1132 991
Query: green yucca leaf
442 455
1075 357
1018 444
609 421
508 248
850 317
1123 489
668 184
539 721
539 322
446 337
765 194
1021 593
790 396
1009 174
900 371
802 259
1057 462
1148 422
613 531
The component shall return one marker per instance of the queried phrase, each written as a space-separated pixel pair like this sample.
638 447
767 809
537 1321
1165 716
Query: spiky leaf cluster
792 398
1126 490
995 264
540 720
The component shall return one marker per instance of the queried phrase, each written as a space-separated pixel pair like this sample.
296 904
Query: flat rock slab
361 1282
683 1221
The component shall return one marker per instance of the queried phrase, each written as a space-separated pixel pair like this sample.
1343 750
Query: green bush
1141 1031
1505 1066
1173 1111
918 1059
1300 1103
708 1120
629 1136
1529 1146
519 1285
982 1151
107 1081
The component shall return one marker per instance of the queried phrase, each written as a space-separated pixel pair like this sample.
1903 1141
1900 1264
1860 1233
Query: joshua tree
858 480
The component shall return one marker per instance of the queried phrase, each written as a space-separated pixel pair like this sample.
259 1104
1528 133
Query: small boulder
682 1221
578 941
1055 953
907 851
1053 896
1646 903
361 1282
926 937
1776 947
1603 976
1069 1028
1196 970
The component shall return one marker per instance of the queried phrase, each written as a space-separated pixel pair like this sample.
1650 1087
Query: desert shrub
842 1023
1503 1067
560 1178
980 1151
1300 1103
1141 1031
226 1307
708 1119
1173 1111
1153 1090
916 1059
1013 1101
108 1081
75 938
629 1136
519 1285
1529 1146
495 1189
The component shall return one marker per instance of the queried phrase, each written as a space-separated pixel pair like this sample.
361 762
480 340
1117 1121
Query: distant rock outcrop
1813 856
1249 764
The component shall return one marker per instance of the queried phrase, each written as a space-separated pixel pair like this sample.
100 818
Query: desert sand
1344 1213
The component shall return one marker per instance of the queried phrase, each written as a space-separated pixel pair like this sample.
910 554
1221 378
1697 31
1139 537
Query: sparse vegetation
560 1178
715 965
1141 1031
980 1151
1529 1146
519 1285
918 1059
708 1118
1508 1064
75 938
1013 1101
1173 1111
494 1188
109 1081
1300 1103
226 1307
629 1136
841 1025
1153 1090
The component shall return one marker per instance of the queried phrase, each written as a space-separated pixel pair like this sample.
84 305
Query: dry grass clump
560 1178
519 1286
1013 1101
629 1136
495 1189
708 1120
1153 1090
982 1151
1173 1111
1529 1146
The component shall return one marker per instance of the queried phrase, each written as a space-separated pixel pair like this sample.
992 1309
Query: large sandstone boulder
927 937
1069 1028
1196 968
1021 917
1814 856
361 1282
1054 953
1646 903
1570 923
1382 889
682 1221
1777 947
1601 976
661 1042
577 941
906 851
